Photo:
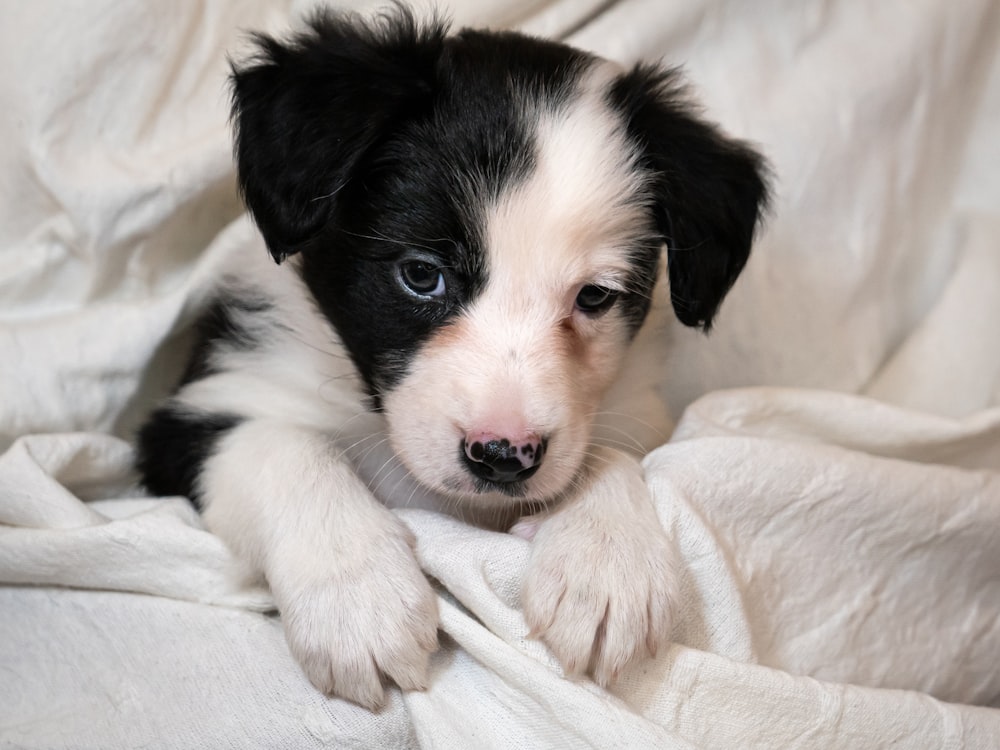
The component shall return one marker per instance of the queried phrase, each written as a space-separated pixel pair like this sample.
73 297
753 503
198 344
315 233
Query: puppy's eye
421 278
594 299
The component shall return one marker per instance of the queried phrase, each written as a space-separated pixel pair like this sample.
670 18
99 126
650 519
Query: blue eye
593 299
421 278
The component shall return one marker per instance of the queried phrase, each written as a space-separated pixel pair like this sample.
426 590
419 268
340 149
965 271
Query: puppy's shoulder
263 349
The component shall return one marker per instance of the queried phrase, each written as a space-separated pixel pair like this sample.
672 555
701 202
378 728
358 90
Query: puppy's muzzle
500 459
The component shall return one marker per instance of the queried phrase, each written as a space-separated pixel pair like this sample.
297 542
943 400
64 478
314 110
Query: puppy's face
481 218
500 393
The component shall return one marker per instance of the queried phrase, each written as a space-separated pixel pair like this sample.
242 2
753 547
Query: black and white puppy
472 227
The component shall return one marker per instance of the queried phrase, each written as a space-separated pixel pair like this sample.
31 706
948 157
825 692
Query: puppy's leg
353 600
601 581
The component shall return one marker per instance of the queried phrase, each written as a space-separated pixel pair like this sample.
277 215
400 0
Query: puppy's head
481 218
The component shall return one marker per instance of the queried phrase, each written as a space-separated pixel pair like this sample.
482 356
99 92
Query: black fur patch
172 447
220 325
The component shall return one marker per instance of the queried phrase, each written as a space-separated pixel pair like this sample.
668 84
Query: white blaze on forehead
573 219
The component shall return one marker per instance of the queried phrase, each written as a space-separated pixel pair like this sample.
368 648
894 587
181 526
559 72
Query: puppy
471 228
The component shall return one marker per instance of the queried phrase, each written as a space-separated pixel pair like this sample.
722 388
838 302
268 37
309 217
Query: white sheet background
840 526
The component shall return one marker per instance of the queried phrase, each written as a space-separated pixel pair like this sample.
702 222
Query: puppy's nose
501 459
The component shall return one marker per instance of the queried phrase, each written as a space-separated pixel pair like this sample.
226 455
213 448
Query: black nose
498 460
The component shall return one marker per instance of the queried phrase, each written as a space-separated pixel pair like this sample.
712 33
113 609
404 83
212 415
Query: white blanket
837 509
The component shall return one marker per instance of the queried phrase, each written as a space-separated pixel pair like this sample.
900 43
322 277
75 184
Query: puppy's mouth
463 485
516 489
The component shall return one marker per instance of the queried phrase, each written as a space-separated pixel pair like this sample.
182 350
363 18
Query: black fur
173 446
711 190
220 326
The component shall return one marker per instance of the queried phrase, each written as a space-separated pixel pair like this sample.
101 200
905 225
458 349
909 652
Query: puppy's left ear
307 111
710 191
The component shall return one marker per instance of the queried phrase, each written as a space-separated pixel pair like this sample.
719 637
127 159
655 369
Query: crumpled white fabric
833 482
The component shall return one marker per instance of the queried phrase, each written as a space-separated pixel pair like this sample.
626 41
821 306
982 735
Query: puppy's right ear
709 191
306 110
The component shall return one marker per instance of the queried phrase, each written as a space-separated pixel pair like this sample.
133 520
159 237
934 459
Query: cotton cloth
832 482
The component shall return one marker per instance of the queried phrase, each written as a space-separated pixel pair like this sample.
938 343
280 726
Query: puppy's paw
600 593
376 617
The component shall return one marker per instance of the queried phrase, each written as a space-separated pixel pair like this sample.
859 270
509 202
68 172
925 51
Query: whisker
394 465
606 442
374 447
416 242
626 415
328 195
335 353
608 433
344 425
409 499
652 429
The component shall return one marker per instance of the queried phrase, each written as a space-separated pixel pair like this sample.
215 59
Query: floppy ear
710 191
305 112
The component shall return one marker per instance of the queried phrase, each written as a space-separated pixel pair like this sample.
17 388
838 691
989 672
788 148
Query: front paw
600 594
367 619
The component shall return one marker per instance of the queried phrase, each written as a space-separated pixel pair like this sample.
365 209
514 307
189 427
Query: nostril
491 450
501 460
475 451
